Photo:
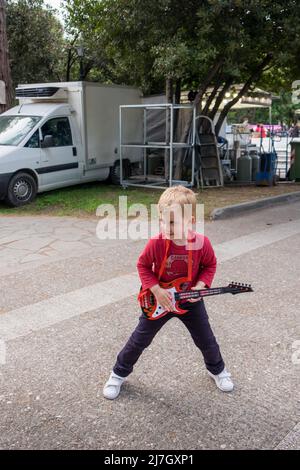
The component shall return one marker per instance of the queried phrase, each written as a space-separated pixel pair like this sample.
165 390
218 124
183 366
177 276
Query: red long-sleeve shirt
204 261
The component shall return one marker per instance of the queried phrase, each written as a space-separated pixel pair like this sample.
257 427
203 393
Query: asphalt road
68 304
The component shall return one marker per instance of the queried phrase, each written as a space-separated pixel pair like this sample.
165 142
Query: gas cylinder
255 163
244 168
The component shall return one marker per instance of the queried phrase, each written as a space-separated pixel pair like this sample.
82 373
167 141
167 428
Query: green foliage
283 111
36 42
141 42
144 42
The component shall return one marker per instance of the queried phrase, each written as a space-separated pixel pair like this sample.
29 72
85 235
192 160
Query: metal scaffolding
169 145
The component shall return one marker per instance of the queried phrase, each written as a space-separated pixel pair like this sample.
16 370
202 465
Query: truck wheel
22 189
114 174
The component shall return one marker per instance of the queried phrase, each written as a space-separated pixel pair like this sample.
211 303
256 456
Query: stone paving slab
291 441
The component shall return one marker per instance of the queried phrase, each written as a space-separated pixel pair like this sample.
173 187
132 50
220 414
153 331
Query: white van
63 134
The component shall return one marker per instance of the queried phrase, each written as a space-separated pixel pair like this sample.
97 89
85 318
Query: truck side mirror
47 142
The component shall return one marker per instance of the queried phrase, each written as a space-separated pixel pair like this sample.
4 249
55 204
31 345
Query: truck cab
40 149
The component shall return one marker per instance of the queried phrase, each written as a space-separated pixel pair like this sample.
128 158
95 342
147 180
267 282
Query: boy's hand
163 297
198 286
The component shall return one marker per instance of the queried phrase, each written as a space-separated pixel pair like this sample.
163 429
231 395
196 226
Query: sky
55 4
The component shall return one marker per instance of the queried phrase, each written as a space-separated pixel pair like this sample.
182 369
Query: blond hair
179 195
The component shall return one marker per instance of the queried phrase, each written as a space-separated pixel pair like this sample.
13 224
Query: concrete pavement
62 327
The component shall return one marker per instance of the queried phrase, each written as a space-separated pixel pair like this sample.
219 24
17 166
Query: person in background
245 124
293 156
261 130
295 131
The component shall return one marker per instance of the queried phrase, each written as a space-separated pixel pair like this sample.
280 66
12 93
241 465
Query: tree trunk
211 97
177 96
253 78
87 68
169 90
203 123
179 154
169 96
197 102
178 91
5 72
72 55
69 64
207 81
220 98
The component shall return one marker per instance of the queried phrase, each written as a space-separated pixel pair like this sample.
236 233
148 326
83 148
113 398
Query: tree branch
220 98
212 96
253 78
208 79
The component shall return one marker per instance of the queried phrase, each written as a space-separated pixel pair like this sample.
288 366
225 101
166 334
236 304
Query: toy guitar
153 310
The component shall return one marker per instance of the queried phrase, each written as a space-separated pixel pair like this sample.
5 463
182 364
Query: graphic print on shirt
177 265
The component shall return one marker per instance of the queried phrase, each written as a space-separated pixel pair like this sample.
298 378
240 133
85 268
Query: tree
81 20
36 42
283 112
206 46
5 73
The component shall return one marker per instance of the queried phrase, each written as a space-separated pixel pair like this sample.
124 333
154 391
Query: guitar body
152 309
178 288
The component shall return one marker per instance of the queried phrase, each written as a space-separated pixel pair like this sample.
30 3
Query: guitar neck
195 294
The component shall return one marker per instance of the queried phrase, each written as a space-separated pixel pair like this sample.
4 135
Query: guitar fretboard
198 293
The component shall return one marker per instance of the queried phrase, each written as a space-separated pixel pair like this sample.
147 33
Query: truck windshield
13 129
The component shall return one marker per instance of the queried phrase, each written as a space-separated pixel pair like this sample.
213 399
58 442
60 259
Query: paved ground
68 303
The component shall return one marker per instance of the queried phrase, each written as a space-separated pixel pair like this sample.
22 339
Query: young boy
176 252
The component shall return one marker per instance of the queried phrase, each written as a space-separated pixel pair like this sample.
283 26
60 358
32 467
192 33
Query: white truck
63 134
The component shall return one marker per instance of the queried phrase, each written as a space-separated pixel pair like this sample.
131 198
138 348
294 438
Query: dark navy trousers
195 320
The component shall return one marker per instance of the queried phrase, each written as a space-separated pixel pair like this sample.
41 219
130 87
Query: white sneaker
223 380
112 387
